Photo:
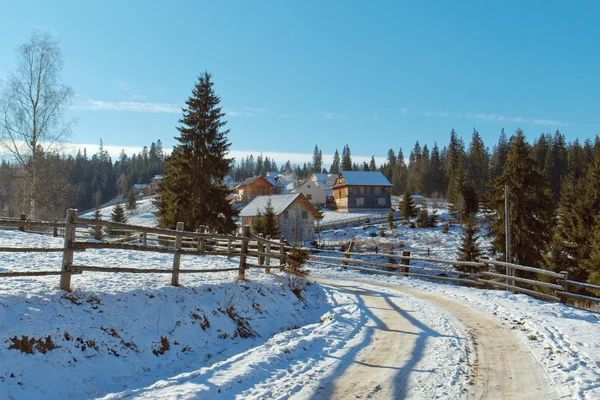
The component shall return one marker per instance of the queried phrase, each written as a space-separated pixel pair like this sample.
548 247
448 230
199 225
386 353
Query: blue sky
291 75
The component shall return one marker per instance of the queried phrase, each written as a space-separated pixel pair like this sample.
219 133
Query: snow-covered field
251 339
143 215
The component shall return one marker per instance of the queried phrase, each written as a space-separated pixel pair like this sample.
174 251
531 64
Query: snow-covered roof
248 181
364 178
271 180
273 174
281 181
279 202
320 177
157 177
289 187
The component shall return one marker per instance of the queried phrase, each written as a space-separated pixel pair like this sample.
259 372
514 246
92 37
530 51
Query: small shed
294 212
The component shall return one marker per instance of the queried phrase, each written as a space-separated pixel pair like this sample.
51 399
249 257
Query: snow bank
123 331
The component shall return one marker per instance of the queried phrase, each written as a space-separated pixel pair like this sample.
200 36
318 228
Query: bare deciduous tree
32 105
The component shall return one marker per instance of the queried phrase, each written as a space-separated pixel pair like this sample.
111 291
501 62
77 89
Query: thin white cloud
494 117
133 106
331 115
245 112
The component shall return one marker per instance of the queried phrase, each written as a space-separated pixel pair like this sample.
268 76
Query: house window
381 201
309 196
308 186
285 214
304 214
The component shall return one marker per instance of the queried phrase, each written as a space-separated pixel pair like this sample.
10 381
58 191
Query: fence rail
149 239
482 273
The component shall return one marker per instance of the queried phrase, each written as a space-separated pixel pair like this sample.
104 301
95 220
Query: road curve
501 368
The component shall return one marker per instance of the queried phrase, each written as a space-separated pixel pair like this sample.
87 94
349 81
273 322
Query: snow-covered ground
109 331
143 215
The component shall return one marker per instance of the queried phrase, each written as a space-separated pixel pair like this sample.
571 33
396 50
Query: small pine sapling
391 220
131 201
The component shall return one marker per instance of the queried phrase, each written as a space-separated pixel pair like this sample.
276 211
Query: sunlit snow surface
109 326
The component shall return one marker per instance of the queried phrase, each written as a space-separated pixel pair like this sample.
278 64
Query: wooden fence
484 273
259 252
178 242
369 218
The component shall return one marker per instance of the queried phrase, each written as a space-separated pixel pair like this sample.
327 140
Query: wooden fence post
406 262
22 225
348 251
65 277
229 249
281 253
98 231
268 257
260 246
177 257
565 285
145 238
246 235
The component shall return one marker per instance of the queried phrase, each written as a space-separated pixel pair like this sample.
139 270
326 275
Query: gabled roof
320 177
279 202
249 181
363 178
273 174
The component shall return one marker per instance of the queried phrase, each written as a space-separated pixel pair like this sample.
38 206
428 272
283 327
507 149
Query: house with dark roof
253 187
294 212
362 191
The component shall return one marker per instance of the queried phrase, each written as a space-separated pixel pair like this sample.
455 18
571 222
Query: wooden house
362 191
253 187
313 192
294 212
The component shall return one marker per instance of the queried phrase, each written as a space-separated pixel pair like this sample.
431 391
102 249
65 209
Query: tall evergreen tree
399 177
317 159
469 249
131 201
347 159
336 164
465 203
499 156
531 206
192 190
455 159
557 163
390 165
435 173
407 206
372 164
478 162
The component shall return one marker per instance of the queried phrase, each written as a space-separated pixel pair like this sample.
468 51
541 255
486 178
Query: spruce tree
347 159
469 249
317 160
391 220
407 206
593 263
531 206
192 189
465 203
499 156
118 214
131 201
258 223
336 164
372 164
478 164
270 221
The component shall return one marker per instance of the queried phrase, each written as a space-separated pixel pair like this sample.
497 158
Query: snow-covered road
496 365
